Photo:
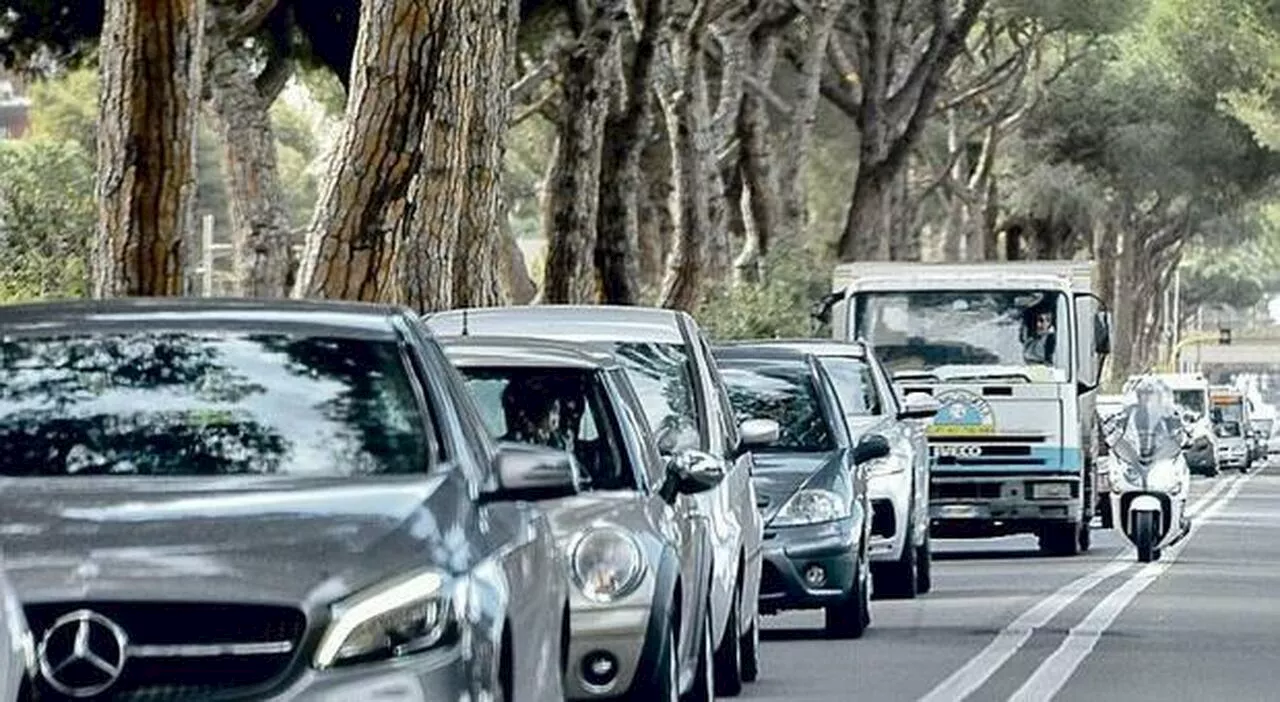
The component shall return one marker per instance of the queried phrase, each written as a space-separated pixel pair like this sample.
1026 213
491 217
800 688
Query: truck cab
1013 352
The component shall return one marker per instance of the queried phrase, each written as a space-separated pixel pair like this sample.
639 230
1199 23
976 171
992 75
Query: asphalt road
1004 623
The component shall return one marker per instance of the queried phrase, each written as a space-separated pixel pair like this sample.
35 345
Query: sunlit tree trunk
151 62
349 250
237 101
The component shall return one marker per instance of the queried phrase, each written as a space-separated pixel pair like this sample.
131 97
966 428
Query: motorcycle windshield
1146 433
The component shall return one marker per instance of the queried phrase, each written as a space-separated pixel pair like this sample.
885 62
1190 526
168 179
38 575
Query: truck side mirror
1102 333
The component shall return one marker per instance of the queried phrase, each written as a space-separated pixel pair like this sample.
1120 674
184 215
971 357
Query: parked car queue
305 500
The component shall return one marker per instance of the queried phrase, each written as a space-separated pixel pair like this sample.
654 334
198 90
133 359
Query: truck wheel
1086 536
1061 539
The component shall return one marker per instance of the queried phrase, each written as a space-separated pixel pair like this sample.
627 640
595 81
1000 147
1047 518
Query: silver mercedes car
638 553
668 361
17 654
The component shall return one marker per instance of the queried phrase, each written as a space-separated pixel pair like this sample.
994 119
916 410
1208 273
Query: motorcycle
1149 477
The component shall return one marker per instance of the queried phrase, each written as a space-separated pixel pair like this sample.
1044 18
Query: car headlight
399 617
812 507
607 564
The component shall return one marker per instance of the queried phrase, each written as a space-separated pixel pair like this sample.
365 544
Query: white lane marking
1054 672
975 673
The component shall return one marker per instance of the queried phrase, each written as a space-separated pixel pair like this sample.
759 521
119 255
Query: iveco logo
952 451
82 653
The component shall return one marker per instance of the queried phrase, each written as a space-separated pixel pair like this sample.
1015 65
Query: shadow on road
988 554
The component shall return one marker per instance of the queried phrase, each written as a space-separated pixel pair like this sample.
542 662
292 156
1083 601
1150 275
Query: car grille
183 651
986 450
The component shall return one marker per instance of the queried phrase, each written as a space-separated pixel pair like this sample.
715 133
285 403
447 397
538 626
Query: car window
728 421
784 392
636 427
560 408
662 376
208 403
855 384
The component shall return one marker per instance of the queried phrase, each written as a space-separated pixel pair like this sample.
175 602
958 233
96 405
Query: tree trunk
573 187
349 250
762 204
865 235
237 108
688 115
657 230
452 242
151 65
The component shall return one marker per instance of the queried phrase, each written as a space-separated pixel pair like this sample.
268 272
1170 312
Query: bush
47 218
776 307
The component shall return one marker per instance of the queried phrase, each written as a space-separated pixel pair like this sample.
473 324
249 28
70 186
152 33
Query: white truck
1013 352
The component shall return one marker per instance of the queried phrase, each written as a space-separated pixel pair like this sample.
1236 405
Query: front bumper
791 551
617 632
436 675
1233 457
987 506
890 496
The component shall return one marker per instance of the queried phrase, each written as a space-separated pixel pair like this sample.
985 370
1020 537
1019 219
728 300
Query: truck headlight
607 564
812 507
399 617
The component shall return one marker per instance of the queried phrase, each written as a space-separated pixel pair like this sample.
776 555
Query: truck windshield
1027 332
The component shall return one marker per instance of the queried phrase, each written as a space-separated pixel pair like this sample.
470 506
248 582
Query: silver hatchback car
668 361
637 551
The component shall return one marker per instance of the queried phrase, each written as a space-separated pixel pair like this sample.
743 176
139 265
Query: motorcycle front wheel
1144 535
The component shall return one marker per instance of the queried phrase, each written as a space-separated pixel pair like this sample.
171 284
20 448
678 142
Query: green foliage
529 147
301 186
47 218
67 108
777 307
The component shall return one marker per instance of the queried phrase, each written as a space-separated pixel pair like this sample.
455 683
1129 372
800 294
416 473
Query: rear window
662 375
206 404
784 393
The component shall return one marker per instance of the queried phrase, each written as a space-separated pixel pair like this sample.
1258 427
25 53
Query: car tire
924 566
850 618
751 652
664 682
704 679
898 580
728 657
1086 536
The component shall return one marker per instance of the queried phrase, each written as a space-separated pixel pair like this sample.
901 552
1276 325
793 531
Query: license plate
959 512
1051 491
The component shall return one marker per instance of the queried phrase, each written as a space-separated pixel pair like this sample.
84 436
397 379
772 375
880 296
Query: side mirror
690 472
870 447
1102 333
757 433
526 472
919 405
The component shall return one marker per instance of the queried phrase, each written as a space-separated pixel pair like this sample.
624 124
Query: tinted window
559 408
207 403
785 393
662 375
854 383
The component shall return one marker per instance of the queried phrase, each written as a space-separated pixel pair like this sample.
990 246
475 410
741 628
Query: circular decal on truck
962 412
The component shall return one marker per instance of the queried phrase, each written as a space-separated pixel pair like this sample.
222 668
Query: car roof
617 323
759 352
150 313
817 347
522 352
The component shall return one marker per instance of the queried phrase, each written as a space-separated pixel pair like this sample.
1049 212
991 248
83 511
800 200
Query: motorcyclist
1153 414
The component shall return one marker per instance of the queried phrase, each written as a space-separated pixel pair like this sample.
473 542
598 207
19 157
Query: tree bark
151 66
452 248
350 250
657 230
571 213
238 108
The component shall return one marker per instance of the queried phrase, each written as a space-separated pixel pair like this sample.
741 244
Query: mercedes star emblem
82 653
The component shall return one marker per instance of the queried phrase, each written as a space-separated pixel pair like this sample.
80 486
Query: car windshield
1190 401
662 375
854 384
560 408
783 392
207 403
1018 330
